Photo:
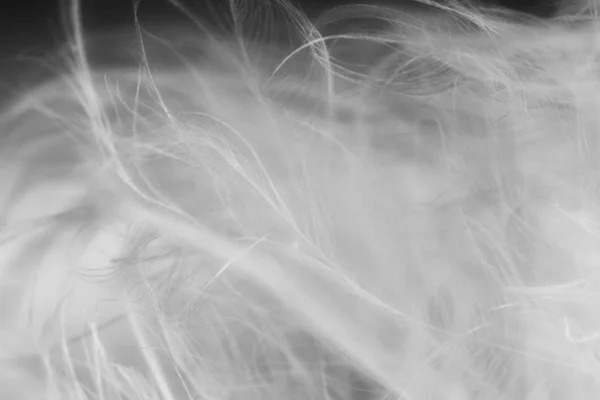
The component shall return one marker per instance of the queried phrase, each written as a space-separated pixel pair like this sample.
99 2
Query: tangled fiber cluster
394 202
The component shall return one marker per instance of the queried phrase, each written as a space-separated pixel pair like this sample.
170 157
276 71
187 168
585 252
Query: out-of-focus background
24 22
29 29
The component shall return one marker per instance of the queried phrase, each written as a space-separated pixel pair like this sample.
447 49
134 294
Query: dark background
31 17
29 26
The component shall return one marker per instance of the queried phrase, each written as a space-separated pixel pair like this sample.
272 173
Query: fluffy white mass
384 202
